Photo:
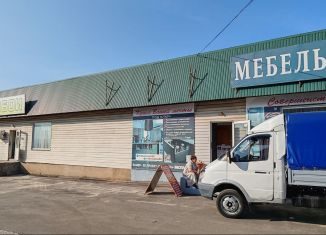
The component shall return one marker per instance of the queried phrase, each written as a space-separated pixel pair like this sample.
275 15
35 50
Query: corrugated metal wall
209 112
97 140
88 93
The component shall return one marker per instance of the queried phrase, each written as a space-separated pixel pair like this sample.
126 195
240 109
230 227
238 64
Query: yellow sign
12 105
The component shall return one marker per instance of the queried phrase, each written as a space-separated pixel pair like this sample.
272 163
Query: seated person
192 170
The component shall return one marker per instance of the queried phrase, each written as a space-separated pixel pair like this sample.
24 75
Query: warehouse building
121 124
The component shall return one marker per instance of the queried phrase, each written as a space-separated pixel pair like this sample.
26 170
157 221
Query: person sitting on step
192 171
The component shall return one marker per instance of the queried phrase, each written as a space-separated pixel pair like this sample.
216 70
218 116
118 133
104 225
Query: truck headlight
201 176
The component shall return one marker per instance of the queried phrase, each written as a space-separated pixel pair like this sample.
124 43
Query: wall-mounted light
3 135
222 114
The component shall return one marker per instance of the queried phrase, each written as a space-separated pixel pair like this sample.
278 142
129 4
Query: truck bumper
206 190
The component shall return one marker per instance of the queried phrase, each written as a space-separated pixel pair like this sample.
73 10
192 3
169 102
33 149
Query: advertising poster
260 109
257 115
270 112
163 134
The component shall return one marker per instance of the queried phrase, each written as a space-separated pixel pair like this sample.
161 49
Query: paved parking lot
45 205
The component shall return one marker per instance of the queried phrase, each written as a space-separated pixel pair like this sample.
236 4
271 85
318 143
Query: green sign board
12 105
302 62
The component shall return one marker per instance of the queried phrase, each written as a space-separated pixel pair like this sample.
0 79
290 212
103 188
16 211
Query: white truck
281 160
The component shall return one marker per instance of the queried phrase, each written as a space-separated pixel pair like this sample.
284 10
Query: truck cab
254 171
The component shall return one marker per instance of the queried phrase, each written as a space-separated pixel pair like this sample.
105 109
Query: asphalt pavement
44 205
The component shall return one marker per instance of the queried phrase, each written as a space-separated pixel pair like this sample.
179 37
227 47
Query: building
122 124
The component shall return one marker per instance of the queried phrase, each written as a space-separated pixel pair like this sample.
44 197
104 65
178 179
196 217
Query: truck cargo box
306 148
306 140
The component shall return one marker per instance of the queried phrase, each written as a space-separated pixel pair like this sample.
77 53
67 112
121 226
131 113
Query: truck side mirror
228 154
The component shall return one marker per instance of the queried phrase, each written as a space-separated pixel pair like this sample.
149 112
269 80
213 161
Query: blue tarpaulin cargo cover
306 140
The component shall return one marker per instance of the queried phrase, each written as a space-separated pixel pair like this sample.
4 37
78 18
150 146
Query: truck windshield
221 157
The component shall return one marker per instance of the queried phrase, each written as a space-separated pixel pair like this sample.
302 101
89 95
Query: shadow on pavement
161 193
288 213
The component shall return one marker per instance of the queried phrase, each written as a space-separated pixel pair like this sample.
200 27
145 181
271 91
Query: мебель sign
288 64
12 105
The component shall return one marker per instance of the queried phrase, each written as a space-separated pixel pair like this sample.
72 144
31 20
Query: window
303 109
252 149
42 136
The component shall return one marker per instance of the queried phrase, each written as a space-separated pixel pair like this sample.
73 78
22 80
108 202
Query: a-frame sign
169 175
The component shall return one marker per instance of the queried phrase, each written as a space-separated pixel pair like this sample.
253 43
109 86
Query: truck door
252 166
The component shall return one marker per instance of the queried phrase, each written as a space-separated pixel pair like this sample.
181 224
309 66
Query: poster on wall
163 134
260 109
255 115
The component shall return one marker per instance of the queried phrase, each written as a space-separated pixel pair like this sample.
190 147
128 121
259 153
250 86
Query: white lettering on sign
305 61
241 72
12 105
294 63
271 68
258 73
286 64
320 62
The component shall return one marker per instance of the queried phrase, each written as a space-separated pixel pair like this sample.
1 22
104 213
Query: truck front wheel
231 204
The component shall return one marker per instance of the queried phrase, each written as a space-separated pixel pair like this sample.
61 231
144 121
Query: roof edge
167 60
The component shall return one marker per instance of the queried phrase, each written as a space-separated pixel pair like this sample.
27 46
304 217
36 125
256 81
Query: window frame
246 139
33 133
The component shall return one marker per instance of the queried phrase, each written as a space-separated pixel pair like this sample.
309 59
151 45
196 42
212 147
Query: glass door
17 145
239 130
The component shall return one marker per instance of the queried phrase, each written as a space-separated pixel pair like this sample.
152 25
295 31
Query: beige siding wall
95 140
208 112
105 139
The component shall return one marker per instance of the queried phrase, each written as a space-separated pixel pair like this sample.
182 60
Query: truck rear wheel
231 204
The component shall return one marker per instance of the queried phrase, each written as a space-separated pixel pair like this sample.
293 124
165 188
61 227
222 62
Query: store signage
12 105
169 175
301 62
164 110
287 100
260 109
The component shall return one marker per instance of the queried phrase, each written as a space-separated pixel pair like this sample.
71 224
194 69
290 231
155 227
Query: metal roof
87 93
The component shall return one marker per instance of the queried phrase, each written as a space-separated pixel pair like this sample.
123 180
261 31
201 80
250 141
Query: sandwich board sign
169 175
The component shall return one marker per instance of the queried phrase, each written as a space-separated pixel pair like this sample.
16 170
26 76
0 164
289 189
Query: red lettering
274 102
185 110
271 101
163 111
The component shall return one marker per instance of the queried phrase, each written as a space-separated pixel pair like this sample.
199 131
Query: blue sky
48 40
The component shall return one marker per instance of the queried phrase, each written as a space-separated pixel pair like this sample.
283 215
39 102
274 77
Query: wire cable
225 27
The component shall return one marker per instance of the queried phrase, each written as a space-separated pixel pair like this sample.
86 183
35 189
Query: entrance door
221 140
17 145
11 145
22 146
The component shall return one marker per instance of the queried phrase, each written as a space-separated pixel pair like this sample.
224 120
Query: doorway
221 139
12 145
